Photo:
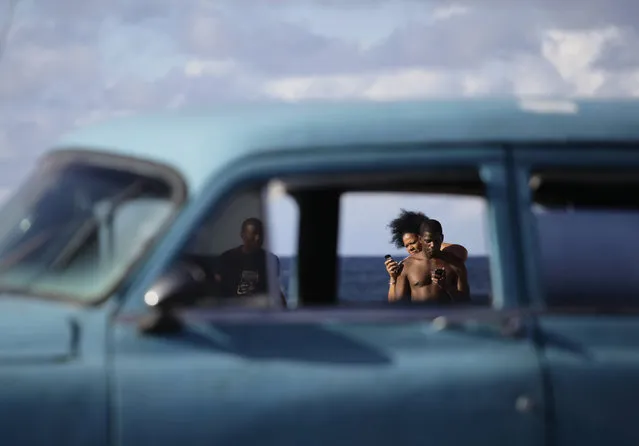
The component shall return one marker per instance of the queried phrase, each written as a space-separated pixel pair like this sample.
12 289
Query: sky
70 63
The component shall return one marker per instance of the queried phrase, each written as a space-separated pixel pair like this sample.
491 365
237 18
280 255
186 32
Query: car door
52 373
55 294
581 212
335 375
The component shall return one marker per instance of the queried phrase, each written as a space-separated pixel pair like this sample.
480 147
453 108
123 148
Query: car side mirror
177 287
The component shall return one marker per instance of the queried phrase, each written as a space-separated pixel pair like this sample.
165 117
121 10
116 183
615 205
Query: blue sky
69 63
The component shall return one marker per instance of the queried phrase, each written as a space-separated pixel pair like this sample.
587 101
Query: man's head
432 236
252 234
405 231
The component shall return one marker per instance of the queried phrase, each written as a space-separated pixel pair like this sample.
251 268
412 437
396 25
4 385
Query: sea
365 279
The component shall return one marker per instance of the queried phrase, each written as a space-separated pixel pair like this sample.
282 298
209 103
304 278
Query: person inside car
242 271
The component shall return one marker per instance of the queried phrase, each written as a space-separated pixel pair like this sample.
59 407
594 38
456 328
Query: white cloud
534 76
574 53
201 67
316 87
375 86
408 84
447 12
71 62
523 76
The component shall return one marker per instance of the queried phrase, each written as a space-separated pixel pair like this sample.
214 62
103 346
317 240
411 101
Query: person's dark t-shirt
244 274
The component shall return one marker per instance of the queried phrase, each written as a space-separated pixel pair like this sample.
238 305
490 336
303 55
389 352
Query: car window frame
273 163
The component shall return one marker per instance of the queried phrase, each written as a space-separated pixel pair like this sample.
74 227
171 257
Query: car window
445 209
374 224
232 251
587 236
365 236
73 229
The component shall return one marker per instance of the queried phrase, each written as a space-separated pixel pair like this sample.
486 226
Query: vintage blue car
114 331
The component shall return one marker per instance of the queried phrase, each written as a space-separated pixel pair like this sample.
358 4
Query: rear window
588 233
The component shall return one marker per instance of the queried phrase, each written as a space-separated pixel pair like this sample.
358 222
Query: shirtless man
437 276
405 233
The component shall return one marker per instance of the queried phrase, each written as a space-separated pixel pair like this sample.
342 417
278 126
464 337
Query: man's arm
392 283
391 290
461 291
401 287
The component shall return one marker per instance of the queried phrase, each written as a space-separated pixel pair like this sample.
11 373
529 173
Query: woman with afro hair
405 234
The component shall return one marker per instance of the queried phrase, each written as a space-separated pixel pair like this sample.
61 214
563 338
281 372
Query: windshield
74 229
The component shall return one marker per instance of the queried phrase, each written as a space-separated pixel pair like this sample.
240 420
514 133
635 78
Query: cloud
74 62
456 42
568 14
377 86
36 51
522 76
5 146
271 47
621 51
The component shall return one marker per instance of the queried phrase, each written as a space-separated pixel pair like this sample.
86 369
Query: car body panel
203 143
318 382
590 354
593 364
88 375
53 373
37 332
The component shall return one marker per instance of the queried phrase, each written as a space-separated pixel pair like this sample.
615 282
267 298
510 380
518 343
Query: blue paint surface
204 142
78 375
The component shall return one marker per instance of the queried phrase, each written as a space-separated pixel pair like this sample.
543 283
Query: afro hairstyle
407 223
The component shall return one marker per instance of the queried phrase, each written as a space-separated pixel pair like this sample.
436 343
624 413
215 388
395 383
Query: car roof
200 142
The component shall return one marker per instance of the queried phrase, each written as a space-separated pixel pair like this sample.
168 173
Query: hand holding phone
393 268
438 275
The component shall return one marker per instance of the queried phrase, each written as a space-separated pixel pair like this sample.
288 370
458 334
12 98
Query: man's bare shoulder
409 260
413 262
451 260
457 250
